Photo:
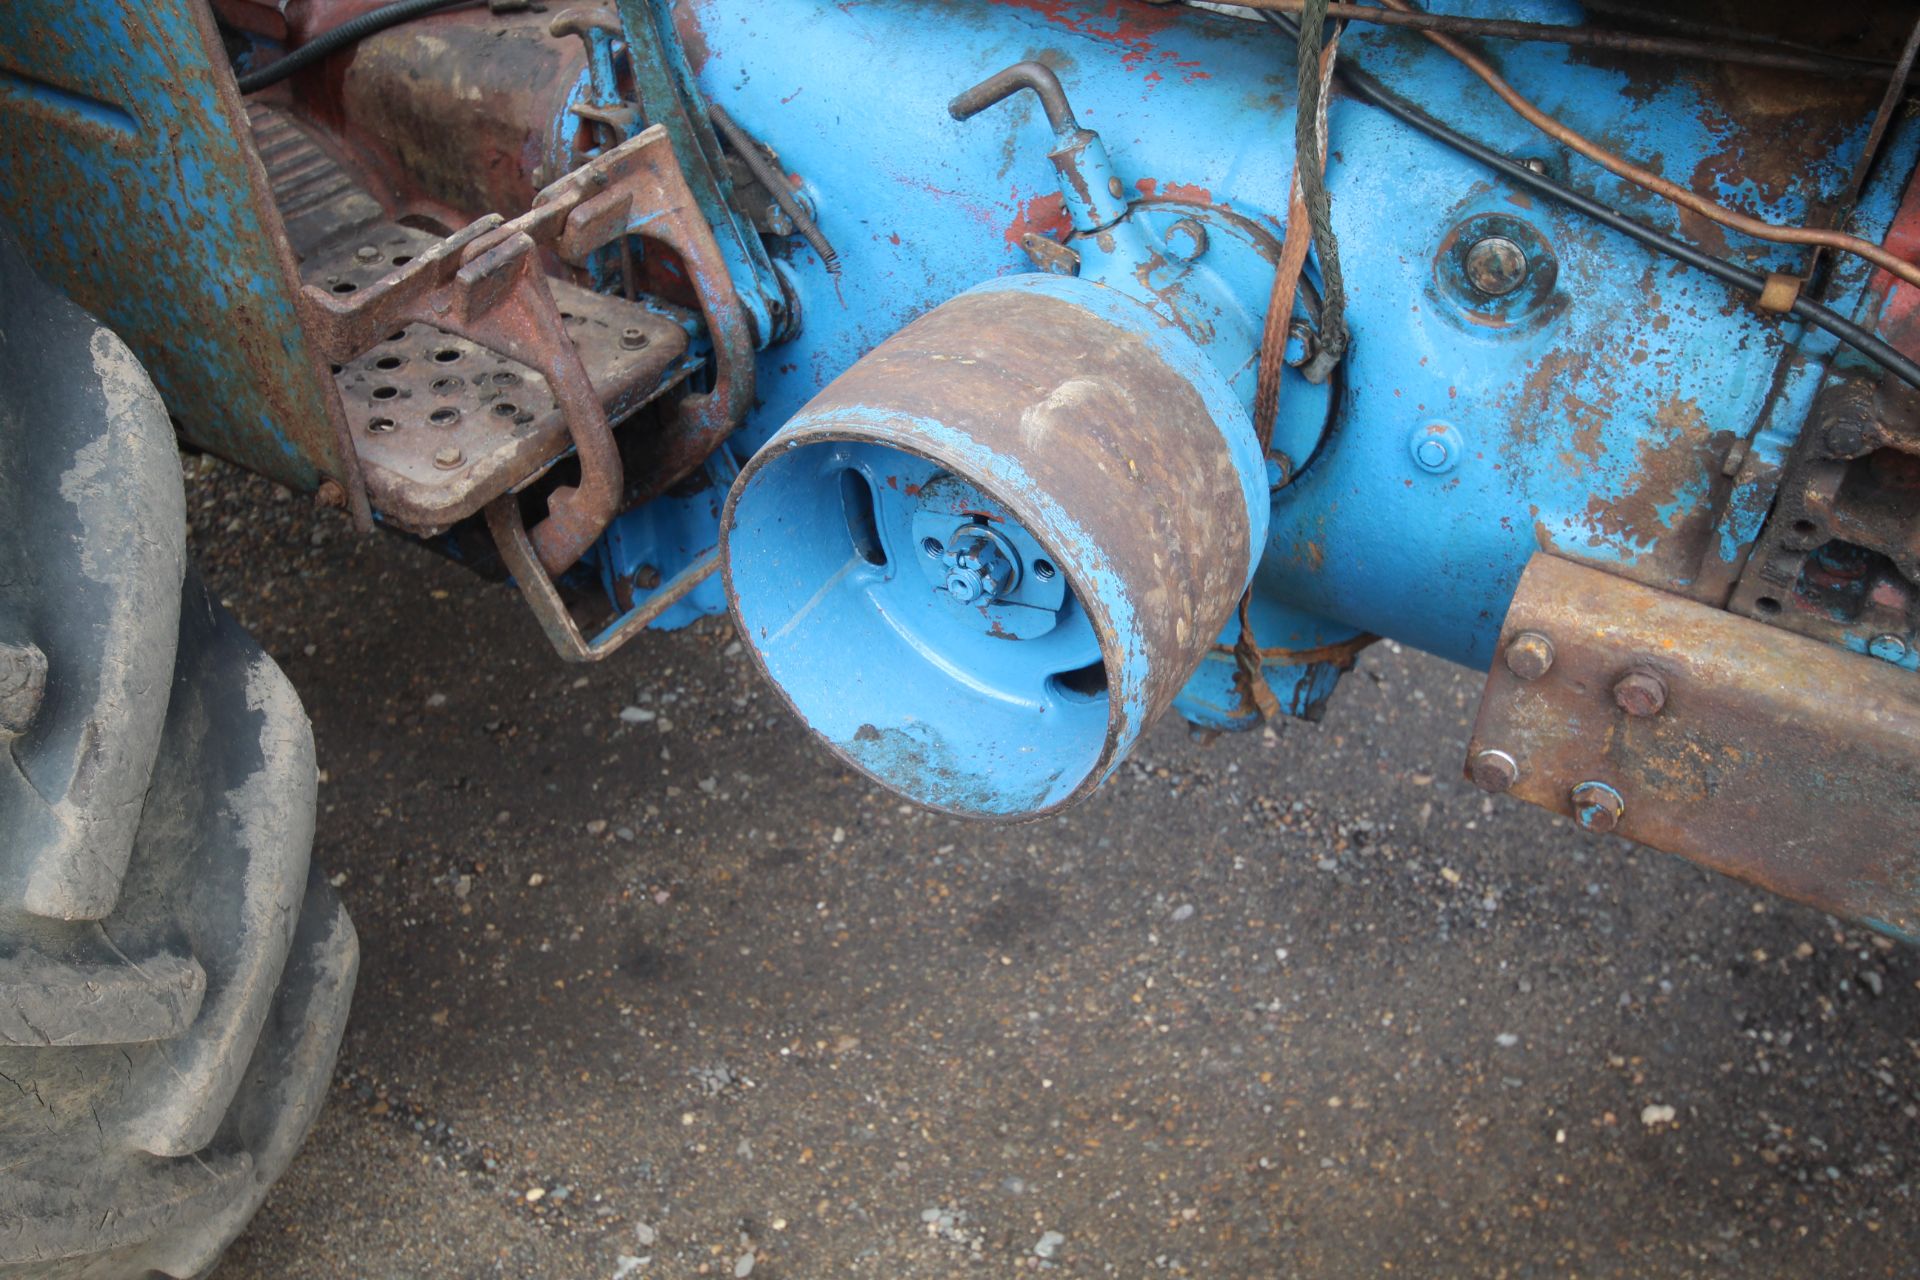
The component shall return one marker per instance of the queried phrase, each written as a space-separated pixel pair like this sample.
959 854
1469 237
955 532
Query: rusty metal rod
775 182
1589 38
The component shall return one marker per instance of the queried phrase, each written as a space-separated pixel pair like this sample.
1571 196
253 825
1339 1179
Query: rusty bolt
1597 806
23 681
330 494
1530 655
1846 438
1113 186
1496 266
1640 693
449 458
633 337
1493 770
367 253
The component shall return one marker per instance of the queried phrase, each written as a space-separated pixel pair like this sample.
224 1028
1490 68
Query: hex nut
1529 655
1493 770
1597 806
1640 693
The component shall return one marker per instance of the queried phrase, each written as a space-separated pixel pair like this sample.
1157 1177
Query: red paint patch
1043 215
1899 321
1187 192
1129 24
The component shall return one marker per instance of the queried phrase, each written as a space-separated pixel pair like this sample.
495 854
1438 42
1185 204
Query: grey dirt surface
671 993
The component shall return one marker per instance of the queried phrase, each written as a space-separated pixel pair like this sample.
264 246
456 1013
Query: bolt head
1496 266
633 338
23 682
1640 693
1493 770
1529 655
1597 806
449 458
367 253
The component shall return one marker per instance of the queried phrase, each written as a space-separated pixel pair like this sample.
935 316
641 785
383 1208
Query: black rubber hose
348 32
1369 90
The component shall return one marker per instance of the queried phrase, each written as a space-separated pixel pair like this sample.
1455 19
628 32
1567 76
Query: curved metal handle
1001 85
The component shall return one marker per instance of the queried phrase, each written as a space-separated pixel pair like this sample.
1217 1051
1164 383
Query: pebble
637 715
626 1264
743 1266
536 1194
1872 982
1506 1039
535 880
644 1233
436 699
1183 912
1657 1113
597 826
1048 1242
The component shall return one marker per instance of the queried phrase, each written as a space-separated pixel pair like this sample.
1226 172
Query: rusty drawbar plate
1773 758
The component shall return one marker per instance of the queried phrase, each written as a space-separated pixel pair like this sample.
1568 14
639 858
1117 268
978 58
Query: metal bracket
485 283
1769 757
517 550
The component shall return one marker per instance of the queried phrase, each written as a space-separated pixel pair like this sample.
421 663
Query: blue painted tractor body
1001 495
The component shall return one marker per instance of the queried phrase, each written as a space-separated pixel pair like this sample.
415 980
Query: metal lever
1091 188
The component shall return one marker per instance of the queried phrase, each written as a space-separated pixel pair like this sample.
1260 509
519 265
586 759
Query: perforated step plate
442 425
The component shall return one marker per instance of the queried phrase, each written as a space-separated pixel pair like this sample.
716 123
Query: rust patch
1777 760
1184 192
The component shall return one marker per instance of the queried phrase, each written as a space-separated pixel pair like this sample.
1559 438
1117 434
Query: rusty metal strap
1765 755
516 549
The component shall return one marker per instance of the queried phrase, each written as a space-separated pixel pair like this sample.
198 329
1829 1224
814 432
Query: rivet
1496 266
633 338
1113 186
1640 693
1597 806
1530 655
449 458
1436 447
1493 770
367 253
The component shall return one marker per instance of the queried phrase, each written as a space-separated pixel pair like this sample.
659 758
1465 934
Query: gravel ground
653 988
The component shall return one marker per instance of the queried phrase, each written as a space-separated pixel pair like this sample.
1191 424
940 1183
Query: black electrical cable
1367 89
337 38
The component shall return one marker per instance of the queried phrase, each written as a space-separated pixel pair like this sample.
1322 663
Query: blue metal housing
1592 416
